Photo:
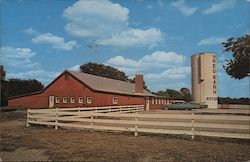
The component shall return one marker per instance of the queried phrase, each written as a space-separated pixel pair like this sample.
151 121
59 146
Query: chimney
138 83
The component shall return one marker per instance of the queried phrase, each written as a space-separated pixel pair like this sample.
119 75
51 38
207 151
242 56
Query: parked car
181 106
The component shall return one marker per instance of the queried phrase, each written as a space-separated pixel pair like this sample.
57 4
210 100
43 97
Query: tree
228 100
2 73
104 71
107 71
14 87
170 93
3 100
186 94
239 66
18 87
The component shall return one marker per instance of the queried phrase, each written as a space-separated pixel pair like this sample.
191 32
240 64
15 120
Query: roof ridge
71 71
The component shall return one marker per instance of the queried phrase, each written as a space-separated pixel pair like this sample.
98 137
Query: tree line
14 87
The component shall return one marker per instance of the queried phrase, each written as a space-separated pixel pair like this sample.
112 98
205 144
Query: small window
80 100
72 99
165 101
153 101
57 100
89 100
156 101
161 101
65 99
115 100
66 76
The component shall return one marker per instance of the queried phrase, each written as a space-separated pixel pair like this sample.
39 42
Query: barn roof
98 83
108 85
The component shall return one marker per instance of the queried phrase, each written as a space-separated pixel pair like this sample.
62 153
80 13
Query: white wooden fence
217 125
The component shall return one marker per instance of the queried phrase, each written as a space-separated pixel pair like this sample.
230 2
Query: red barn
77 89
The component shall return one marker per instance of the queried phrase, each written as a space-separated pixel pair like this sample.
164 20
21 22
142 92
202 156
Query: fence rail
115 119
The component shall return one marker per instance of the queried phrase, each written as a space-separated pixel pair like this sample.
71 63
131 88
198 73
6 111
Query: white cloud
121 61
134 37
184 8
17 57
248 1
172 73
221 6
40 75
211 41
75 68
108 23
156 59
95 18
30 31
20 63
160 57
170 68
55 41
17 53
171 78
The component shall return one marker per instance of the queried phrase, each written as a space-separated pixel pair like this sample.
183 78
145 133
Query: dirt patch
82 145
23 154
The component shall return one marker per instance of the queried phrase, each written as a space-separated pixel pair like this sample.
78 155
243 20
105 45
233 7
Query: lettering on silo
214 75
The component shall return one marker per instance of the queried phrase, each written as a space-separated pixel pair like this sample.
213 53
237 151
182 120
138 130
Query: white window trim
72 99
113 100
89 100
80 100
57 100
65 101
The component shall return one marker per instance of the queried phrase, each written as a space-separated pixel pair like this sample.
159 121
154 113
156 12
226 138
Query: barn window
89 100
159 101
153 101
115 100
65 99
72 99
66 76
57 99
156 100
80 100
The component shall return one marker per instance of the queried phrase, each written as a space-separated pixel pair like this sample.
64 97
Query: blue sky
156 38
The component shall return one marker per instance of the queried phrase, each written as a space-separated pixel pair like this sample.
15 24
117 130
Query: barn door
51 101
147 104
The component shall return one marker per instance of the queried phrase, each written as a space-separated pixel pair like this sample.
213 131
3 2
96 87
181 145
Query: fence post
192 123
136 126
56 122
91 123
27 120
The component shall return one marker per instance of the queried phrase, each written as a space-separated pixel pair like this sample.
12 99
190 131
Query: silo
204 79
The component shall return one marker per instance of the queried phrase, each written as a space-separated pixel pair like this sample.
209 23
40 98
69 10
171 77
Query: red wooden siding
71 87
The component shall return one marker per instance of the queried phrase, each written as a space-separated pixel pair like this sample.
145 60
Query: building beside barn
77 89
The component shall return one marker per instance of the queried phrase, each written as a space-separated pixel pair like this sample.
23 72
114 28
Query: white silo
204 79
